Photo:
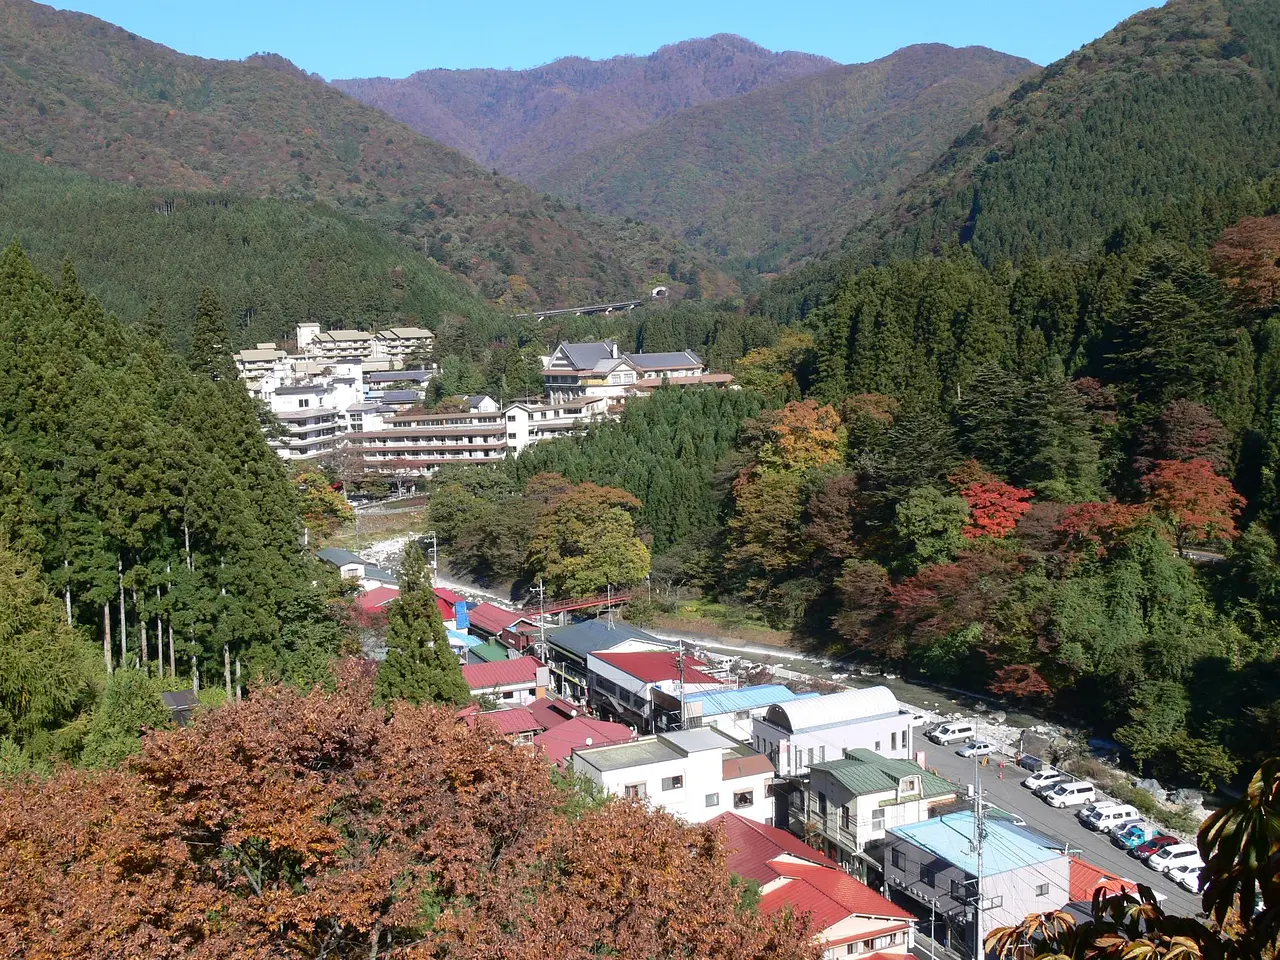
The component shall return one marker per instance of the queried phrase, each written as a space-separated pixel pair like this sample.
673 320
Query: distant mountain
524 122
82 94
1161 121
772 176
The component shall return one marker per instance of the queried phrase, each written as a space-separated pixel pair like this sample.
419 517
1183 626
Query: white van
953 731
1043 777
1175 855
1071 794
1103 820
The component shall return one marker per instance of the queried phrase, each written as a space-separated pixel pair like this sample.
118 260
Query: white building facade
797 734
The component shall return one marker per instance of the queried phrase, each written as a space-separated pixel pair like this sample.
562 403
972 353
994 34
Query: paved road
1096 848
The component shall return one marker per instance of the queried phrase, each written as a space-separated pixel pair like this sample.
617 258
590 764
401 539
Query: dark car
1152 846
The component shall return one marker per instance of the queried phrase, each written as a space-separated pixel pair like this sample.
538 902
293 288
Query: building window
810 763
635 791
742 714
867 945
511 418
877 746
303 404
926 875
893 742
743 798
673 783
895 857
851 949
822 804
508 695
1042 890
844 818
882 942
877 818
713 799
822 754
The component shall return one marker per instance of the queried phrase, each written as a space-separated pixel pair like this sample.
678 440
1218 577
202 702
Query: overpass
582 311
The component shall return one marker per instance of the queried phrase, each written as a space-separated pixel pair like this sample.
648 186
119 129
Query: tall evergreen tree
419 666
210 340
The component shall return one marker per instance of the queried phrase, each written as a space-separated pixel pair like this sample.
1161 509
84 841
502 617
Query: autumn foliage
1095 525
1247 257
1196 501
318 826
995 507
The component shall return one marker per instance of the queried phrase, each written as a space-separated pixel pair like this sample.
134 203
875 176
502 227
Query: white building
576 370
385 350
509 682
797 734
694 774
528 423
415 442
732 711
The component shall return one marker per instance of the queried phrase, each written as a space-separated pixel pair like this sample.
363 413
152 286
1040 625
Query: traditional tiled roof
751 846
559 742
504 673
654 666
665 361
865 771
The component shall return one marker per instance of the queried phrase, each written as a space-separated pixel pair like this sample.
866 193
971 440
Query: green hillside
770 177
84 95
1156 120
272 262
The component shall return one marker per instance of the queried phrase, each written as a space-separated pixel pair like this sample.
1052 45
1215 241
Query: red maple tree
1096 525
1019 680
995 507
1196 501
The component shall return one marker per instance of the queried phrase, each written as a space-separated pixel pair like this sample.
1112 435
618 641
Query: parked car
1089 809
1175 855
1186 876
1043 777
1157 843
1133 835
1103 820
953 731
1070 794
977 748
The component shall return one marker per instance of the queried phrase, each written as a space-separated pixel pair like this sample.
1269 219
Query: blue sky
355 38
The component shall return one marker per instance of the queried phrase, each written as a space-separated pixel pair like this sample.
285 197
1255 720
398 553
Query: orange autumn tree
318 826
995 507
1195 500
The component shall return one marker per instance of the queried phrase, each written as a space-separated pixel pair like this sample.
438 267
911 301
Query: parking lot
1009 794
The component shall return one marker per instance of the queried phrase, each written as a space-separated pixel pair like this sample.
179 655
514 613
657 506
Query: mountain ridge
521 121
92 97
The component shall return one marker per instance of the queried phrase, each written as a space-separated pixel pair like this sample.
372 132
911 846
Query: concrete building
849 804
732 711
416 442
397 344
641 684
577 370
529 422
797 734
694 774
931 868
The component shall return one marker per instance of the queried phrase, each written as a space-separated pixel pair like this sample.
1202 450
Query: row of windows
873 946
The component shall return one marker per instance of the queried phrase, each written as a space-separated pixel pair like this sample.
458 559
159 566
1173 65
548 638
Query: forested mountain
1156 121
769 177
85 95
524 122
272 262
139 503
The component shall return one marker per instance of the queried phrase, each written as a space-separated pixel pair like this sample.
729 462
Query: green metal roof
489 652
865 771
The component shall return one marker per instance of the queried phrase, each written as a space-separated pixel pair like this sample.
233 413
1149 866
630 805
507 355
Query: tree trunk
195 675
142 629
226 668
237 679
159 637
186 537
106 636
66 590
124 639
173 666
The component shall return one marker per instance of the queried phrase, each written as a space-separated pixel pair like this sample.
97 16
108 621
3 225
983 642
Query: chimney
613 349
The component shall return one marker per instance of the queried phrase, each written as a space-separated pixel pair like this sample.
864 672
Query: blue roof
745 698
465 639
591 635
950 836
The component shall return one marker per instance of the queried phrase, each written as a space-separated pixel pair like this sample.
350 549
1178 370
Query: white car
976 748
1186 876
1177 855
1043 777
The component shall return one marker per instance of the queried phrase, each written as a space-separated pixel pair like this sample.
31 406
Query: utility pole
979 835
433 550
608 589
684 710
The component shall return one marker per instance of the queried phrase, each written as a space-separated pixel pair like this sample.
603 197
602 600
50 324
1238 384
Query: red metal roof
1085 878
752 845
831 895
492 619
445 600
502 673
378 597
509 722
653 666
552 711
578 733
735 767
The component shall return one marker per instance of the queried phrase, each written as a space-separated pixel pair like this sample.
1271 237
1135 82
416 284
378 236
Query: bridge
582 311
564 606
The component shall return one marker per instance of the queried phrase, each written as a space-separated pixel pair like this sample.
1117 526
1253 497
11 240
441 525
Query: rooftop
744 698
833 709
1086 878
401 396
509 722
584 356
345 335
560 741
406 333
592 635
504 673
750 847
951 838
865 771
654 666
492 618
663 746
378 597
489 652
830 895
665 361
339 557
396 376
